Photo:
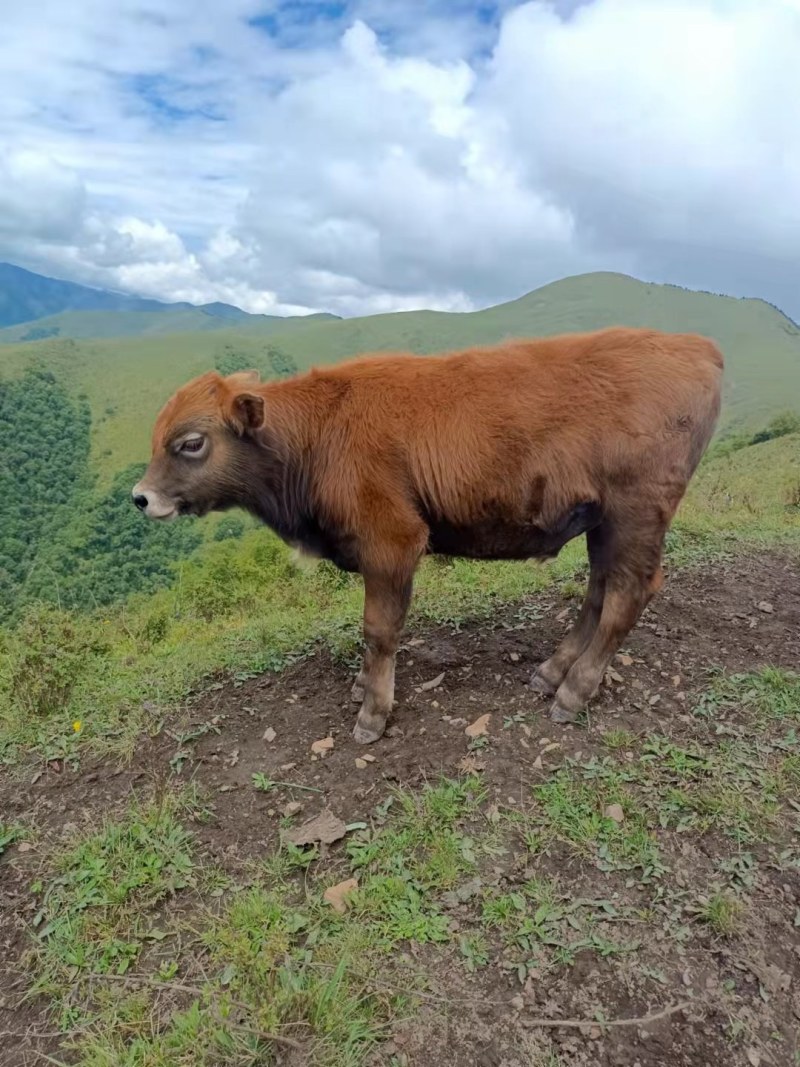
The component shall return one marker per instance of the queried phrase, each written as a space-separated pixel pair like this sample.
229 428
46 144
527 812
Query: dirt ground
737 615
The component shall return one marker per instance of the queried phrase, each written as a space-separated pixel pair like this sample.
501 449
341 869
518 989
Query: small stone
434 683
322 747
288 766
551 747
765 607
336 895
514 657
368 757
517 1003
615 812
537 764
478 728
754 1057
626 661
361 763
269 734
24 846
294 807
612 675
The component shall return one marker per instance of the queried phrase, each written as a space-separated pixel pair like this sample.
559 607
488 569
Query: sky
363 156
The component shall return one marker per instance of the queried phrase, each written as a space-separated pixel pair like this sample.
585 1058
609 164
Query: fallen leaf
322 747
615 812
537 763
269 734
551 747
479 727
626 661
336 895
325 828
754 1057
24 846
434 683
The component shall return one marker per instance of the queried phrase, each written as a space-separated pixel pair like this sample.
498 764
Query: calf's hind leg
551 673
386 601
634 577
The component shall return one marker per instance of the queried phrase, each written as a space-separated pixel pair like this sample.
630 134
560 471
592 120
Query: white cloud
400 155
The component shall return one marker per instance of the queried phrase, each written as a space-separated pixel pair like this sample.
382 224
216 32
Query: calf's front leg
386 601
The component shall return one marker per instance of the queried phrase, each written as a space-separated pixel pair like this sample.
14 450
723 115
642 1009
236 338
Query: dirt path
740 615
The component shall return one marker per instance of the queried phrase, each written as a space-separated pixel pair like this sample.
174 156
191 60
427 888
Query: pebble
615 812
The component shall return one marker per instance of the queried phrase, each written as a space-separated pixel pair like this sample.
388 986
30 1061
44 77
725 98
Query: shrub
45 658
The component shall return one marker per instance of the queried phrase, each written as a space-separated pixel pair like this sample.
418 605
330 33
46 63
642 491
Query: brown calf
504 452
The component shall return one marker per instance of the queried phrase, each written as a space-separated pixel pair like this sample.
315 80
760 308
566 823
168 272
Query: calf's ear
247 412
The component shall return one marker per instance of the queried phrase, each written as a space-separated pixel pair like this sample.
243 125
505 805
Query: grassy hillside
87 325
127 380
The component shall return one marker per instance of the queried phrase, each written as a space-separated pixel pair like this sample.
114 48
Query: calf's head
204 447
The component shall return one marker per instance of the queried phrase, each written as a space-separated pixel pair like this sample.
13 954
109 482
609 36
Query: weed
616 739
723 913
8 835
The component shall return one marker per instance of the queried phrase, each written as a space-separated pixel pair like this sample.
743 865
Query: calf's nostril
140 500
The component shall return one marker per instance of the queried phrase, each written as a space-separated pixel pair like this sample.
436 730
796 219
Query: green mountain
34 307
174 318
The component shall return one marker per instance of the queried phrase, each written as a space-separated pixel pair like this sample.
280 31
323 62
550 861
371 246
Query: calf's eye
193 445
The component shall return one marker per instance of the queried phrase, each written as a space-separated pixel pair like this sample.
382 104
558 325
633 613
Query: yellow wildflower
77 726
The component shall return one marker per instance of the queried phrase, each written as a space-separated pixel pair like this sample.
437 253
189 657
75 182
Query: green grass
767 694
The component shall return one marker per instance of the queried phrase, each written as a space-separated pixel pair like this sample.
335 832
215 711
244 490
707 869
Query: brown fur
499 452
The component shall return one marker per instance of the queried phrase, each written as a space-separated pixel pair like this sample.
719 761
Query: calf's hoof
365 736
369 727
560 714
541 685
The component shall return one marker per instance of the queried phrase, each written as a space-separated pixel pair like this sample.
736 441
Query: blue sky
375 155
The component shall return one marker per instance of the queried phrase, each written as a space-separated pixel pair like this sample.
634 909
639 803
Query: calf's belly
497 539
